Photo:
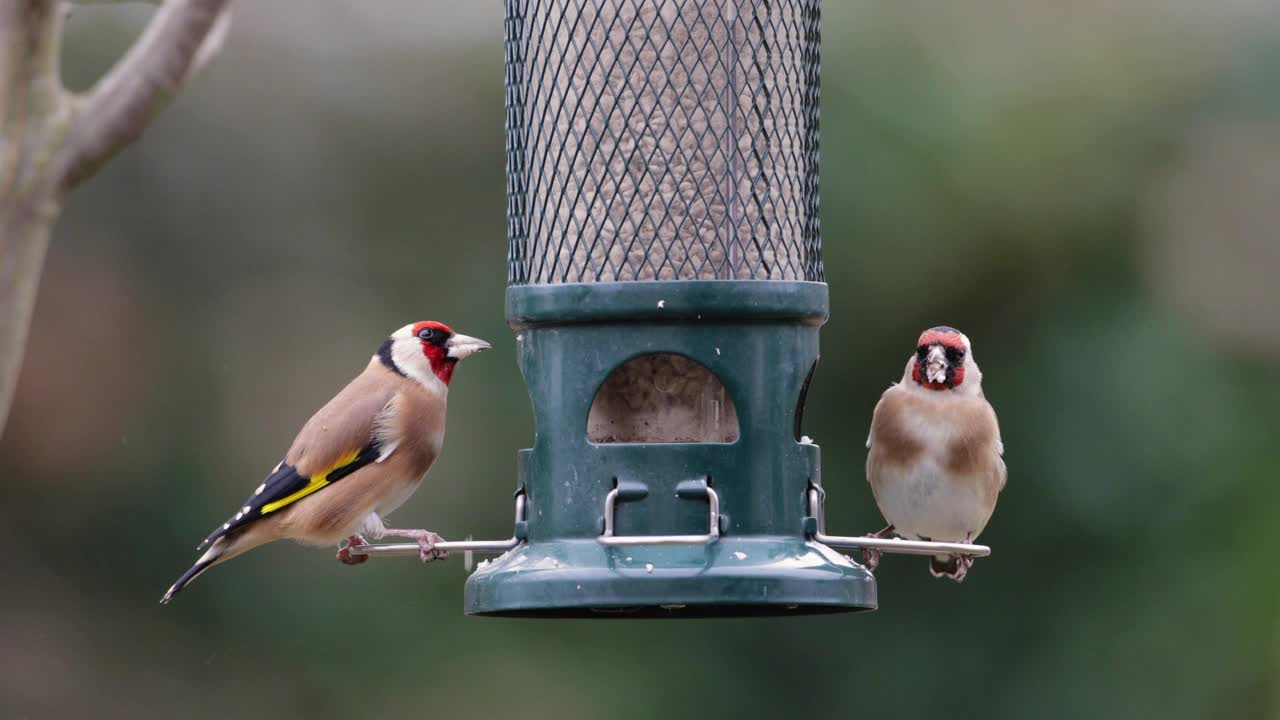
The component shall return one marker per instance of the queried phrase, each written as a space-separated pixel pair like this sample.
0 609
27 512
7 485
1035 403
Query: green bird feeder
666 290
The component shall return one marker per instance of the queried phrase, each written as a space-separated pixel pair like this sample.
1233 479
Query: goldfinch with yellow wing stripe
935 463
357 459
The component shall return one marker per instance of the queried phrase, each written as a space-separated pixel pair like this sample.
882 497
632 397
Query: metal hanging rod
889 545
480 546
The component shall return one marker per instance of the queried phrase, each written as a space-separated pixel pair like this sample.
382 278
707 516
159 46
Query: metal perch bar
411 549
902 547
405 549
889 545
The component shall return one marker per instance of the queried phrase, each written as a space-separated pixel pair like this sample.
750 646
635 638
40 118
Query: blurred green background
1091 190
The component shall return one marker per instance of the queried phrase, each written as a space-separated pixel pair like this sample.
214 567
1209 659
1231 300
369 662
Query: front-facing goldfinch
357 459
935 457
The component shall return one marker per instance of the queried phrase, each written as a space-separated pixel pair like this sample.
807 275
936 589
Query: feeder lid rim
668 301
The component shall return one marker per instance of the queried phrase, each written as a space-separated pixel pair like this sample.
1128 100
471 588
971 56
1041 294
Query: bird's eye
955 355
426 334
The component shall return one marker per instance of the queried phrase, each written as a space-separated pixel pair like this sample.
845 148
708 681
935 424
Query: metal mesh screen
662 140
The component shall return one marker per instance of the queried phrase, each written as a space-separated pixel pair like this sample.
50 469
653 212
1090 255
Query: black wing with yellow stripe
285 486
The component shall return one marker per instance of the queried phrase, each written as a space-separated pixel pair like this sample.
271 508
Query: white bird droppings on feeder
648 567
717 351
662 304
740 555
806 440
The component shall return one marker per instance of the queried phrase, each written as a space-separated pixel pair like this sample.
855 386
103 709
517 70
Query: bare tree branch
212 44
122 104
30 43
51 140
34 112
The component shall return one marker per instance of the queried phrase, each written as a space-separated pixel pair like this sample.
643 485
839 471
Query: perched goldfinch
935 463
357 459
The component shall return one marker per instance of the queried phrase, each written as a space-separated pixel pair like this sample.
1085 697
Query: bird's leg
963 562
426 543
344 552
955 567
870 556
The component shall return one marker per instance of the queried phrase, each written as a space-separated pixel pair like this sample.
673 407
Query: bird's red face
427 352
432 336
443 348
940 358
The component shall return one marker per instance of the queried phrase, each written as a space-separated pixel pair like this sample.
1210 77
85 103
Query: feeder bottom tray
733 577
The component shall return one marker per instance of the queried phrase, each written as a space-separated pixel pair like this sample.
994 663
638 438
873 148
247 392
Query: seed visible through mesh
662 140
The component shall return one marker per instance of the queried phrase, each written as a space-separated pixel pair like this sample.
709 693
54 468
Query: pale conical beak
936 365
461 346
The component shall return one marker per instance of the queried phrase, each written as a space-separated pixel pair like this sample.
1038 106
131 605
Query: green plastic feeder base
760 340
730 577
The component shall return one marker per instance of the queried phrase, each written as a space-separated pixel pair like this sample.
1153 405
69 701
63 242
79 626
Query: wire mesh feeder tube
887 545
662 140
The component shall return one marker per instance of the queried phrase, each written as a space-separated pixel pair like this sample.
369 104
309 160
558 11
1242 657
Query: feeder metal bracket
688 490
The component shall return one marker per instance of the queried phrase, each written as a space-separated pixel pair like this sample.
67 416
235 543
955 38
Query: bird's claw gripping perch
871 556
956 567
344 553
870 559
426 540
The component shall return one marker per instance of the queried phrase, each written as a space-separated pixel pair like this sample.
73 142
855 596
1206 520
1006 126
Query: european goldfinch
935 456
357 459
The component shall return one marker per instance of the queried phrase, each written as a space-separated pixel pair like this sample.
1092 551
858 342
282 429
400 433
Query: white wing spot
386 452
261 487
226 526
244 510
